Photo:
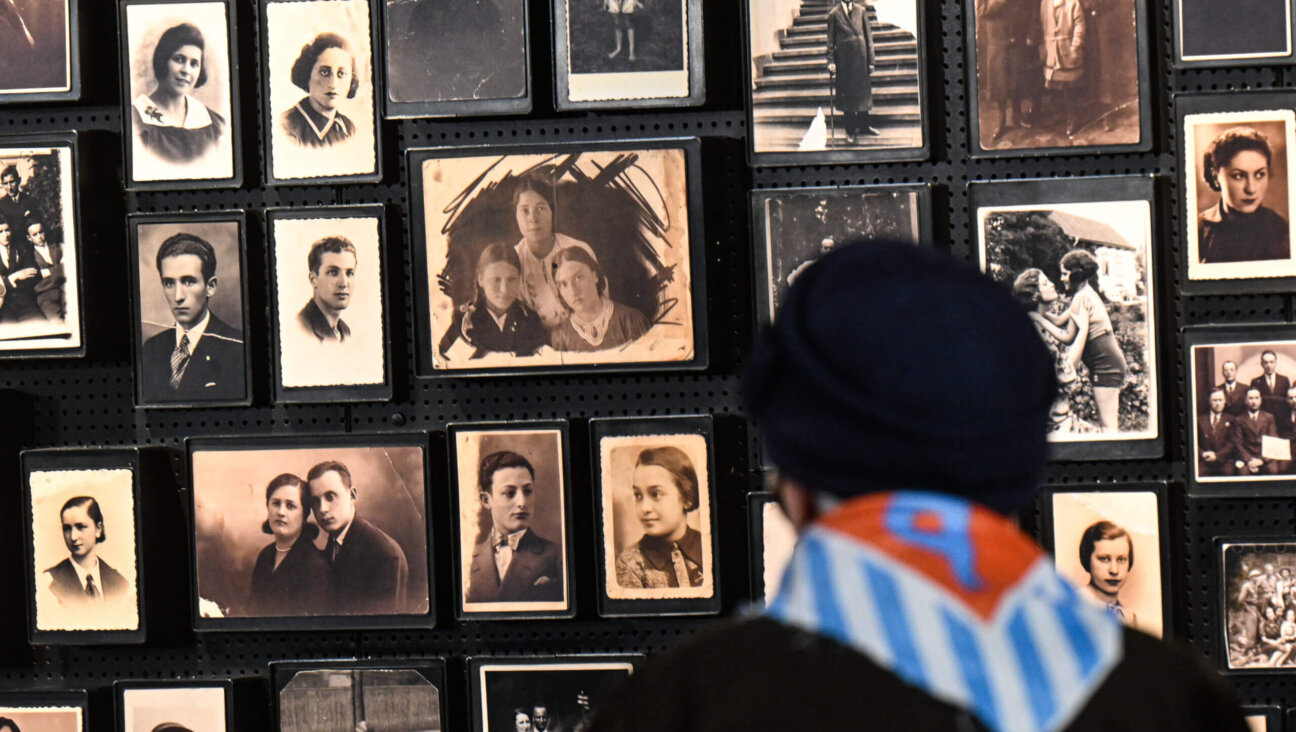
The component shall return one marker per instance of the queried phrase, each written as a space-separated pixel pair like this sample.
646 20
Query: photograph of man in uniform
369 570
851 63
512 563
83 581
201 358
332 263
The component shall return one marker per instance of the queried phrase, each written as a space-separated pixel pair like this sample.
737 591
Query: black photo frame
56 477
1199 117
1076 221
453 31
67 89
540 555
498 685
654 87
411 672
780 119
1206 350
274 83
136 162
73 705
860 211
230 383
1190 53
763 513
1272 716
292 382
190 714
614 173
1095 503
615 444
237 481
1243 592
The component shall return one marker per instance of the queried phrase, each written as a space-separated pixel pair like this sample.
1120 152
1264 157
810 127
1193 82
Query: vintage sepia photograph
772 538
551 694
456 57
1256 580
328 295
836 81
1219 34
40 293
175 706
514 552
308 530
1063 76
362 696
628 53
191 308
1238 195
39 59
1079 260
799 225
1096 537
178 89
43 712
559 258
318 64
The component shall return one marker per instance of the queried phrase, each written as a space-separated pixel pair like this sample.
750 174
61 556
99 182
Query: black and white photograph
1243 408
316 532
178 89
627 53
40 249
511 487
83 535
175 706
350 695
329 300
1220 34
39 60
191 295
836 81
456 57
320 96
1238 197
1258 629
1077 255
549 694
559 258
43 712
799 225
1110 544
1063 76
773 536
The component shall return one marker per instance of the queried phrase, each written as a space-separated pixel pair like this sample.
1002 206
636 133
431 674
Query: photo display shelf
90 401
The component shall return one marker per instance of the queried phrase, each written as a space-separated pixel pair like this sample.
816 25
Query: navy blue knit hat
893 367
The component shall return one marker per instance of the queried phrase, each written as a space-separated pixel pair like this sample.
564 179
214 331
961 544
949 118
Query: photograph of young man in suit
511 563
1273 387
1215 448
21 276
83 580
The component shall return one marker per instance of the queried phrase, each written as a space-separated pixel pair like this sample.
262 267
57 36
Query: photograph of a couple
295 532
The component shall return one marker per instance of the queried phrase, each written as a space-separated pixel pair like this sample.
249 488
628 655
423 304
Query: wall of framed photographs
90 402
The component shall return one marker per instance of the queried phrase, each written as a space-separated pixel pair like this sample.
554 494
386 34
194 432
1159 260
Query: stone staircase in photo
792 87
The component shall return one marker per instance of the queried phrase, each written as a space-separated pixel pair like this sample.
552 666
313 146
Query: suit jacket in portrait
1286 426
1234 399
217 369
66 586
370 574
300 585
1217 439
1273 401
534 575
20 300
1248 434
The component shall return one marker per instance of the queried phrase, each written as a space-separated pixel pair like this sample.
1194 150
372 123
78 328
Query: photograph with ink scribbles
557 259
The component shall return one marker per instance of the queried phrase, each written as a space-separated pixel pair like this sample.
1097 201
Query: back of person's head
893 367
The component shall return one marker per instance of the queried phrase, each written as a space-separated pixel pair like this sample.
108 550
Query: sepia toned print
778 538
43 719
512 519
557 694
544 260
1259 607
1097 538
36 48
359 699
179 107
627 49
656 517
1239 197
1245 411
83 535
174 709
321 89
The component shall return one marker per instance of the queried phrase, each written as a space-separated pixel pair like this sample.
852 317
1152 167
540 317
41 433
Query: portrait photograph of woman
1238 196
178 89
560 260
321 119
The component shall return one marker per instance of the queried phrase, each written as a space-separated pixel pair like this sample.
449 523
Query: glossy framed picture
1255 604
40 52
542 692
360 695
1212 34
771 540
185 705
46 711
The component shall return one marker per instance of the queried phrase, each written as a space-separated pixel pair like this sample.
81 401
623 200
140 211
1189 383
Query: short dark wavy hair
1222 150
92 510
310 53
185 34
1102 531
182 243
497 461
328 245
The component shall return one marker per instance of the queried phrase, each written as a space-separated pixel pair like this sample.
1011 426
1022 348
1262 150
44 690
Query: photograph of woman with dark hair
521 720
169 122
1240 228
595 322
326 70
497 319
535 208
291 576
665 487
83 580
1107 554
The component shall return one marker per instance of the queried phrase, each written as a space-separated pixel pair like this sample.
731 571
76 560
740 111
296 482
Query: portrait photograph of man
513 506
311 531
328 294
556 694
191 309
